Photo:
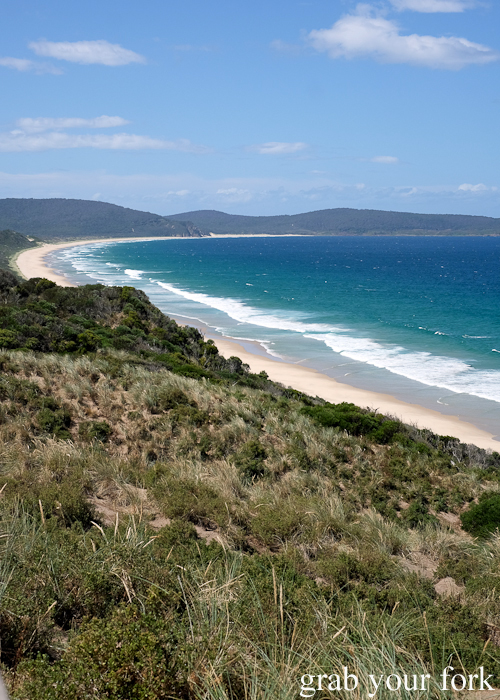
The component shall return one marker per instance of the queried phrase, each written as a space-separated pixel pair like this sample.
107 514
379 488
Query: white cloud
447 190
24 65
476 188
47 123
277 147
389 160
87 52
259 195
433 5
234 194
18 141
363 34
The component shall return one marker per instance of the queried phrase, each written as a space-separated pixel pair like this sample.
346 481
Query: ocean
414 317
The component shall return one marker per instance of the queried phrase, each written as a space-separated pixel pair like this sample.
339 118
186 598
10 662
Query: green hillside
66 219
353 222
172 526
69 219
11 243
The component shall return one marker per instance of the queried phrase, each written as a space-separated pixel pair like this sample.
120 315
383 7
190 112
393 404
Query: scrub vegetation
12 243
172 526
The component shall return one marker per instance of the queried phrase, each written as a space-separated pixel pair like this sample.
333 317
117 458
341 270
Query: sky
259 108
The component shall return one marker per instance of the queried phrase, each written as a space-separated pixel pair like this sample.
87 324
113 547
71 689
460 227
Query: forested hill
62 219
337 222
11 243
68 219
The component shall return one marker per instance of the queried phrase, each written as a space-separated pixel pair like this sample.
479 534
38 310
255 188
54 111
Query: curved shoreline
31 263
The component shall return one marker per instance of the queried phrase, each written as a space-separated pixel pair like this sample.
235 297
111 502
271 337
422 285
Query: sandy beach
31 263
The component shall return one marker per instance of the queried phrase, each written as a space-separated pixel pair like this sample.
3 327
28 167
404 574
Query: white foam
447 373
242 313
134 274
424 367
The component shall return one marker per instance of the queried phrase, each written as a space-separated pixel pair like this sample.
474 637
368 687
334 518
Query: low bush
64 498
484 518
190 500
95 430
356 421
56 422
131 655
250 460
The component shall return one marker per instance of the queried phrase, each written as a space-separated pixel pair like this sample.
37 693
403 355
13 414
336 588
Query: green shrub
89 341
95 430
346 569
190 415
66 501
171 397
63 498
130 655
8 339
418 513
191 500
43 285
20 390
356 421
484 518
250 460
275 524
55 421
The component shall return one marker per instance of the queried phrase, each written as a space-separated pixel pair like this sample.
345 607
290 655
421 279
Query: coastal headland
32 263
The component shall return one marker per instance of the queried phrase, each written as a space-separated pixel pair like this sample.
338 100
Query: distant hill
12 242
68 219
337 222
63 219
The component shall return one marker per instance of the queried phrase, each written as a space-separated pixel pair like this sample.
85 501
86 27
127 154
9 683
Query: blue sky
253 107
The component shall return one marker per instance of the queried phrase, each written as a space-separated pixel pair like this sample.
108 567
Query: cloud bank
277 148
365 35
19 141
47 123
388 160
87 52
432 5
184 192
24 65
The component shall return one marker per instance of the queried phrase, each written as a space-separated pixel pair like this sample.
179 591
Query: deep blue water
415 317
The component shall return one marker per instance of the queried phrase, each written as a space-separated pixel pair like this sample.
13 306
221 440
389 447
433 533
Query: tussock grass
307 574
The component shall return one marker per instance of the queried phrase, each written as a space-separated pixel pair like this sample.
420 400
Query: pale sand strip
30 263
316 384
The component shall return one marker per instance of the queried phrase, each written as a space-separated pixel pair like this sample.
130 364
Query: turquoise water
414 317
